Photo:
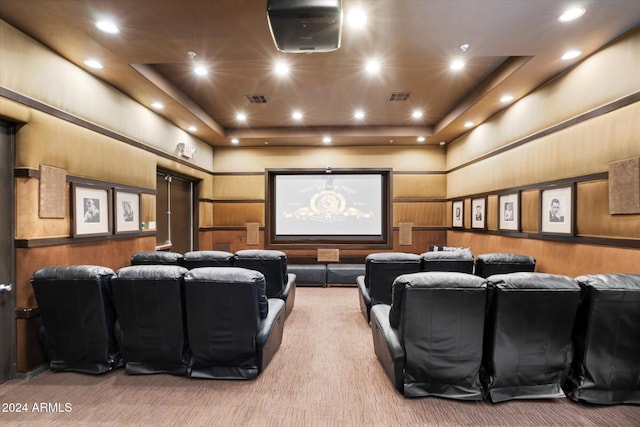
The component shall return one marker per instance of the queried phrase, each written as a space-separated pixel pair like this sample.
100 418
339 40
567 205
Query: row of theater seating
381 269
273 264
207 322
510 336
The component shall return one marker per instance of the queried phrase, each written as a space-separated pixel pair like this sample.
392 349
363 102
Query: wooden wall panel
148 210
237 214
421 214
238 187
419 186
593 218
491 216
529 206
554 257
113 254
206 214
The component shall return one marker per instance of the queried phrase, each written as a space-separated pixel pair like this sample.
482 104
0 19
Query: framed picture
478 212
509 212
91 210
457 219
557 206
127 212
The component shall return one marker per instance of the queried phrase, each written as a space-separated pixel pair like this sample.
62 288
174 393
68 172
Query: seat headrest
529 280
395 257
152 272
505 258
156 257
207 255
611 281
440 280
225 275
460 255
260 254
72 272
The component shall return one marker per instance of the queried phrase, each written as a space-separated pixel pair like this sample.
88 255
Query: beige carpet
325 374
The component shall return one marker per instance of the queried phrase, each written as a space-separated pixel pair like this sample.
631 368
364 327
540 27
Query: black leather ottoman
309 274
344 274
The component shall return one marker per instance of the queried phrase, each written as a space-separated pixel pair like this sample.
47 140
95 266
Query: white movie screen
329 205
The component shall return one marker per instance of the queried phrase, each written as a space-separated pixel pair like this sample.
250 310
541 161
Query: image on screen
328 205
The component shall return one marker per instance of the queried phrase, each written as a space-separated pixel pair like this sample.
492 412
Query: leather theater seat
528 328
156 258
78 318
234 329
429 341
503 263
381 269
197 259
606 365
273 264
460 261
150 307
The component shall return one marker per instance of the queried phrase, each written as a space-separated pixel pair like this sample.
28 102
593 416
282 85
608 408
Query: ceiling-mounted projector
305 26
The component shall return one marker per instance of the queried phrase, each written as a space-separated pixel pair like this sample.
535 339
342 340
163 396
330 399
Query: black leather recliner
150 306
156 258
606 365
429 341
528 328
460 261
197 259
503 263
381 269
234 329
273 264
78 318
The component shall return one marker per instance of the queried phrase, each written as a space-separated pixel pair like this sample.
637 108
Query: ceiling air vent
399 96
256 99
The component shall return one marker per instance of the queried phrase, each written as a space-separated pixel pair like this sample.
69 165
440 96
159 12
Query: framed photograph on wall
478 212
557 205
127 212
509 212
91 210
457 218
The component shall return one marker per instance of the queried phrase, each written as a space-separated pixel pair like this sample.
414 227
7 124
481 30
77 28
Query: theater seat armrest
291 283
363 290
387 345
276 309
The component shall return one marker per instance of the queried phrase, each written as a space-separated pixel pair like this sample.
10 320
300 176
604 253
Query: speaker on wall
305 26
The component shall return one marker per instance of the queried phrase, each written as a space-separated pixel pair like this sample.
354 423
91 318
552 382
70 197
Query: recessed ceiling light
326 140
107 27
358 114
93 63
157 105
442 143
296 115
192 129
373 66
417 114
421 139
506 98
241 117
281 68
457 64
571 14
200 70
235 140
468 124
571 54
357 18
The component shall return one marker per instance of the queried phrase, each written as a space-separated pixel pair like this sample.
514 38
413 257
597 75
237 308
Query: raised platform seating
344 274
309 274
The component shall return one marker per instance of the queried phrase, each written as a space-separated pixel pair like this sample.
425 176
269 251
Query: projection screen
344 206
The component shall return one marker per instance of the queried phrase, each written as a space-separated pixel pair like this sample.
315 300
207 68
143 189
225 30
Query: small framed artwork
478 212
127 212
557 206
509 211
457 219
91 210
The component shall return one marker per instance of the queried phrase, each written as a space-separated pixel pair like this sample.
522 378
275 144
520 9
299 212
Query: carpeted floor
325 374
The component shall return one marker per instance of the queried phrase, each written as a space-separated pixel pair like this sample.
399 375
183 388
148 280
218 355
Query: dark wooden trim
27 313
418 200
26 173
58 241
395 172
236 173
62 115
237 201
612 106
